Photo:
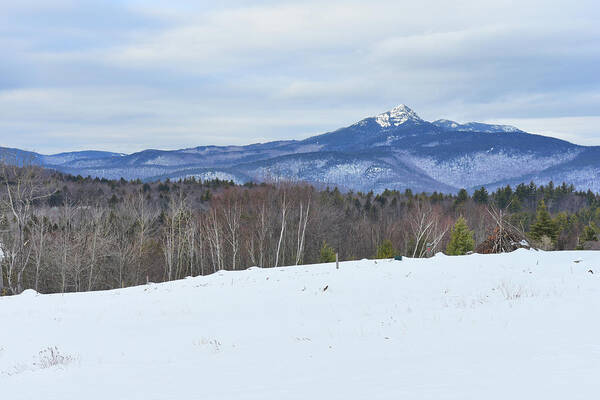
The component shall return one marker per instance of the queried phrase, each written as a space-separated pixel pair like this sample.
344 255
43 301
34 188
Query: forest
62 233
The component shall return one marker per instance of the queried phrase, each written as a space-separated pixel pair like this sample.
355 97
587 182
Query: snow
475 126
353 173
583 178
212 175
510 326
396 116
470 169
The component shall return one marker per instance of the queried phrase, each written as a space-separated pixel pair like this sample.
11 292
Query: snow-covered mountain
395 149
474 126
397 116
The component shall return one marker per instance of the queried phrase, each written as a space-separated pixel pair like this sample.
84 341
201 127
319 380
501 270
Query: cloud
135 74
587 130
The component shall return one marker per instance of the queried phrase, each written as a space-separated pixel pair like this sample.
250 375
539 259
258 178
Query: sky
129 75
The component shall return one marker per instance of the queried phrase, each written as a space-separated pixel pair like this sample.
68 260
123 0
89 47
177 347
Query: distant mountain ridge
474 126
394 150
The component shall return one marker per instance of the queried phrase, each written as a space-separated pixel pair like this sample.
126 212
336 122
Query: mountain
63 158
395 149
474 126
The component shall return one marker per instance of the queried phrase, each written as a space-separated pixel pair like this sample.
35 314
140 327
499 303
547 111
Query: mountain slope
373 170
474 127
395 149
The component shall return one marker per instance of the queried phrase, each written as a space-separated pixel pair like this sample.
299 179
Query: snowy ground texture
523 325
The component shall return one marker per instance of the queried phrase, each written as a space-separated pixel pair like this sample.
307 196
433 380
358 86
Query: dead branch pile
504 238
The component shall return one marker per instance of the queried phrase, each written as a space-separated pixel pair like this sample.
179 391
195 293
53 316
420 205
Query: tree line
62 233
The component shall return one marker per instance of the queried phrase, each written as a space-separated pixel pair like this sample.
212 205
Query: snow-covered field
524 325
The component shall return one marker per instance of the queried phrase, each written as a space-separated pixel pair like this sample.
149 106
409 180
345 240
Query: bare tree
39 230
427 231
3 250
262 232
23 188
66 221
97 230
215 238
284 206
194 245
232 212
122 236
170 237
144 216
302 222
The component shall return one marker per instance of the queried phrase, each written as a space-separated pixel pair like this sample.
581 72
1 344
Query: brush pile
502 241
504 238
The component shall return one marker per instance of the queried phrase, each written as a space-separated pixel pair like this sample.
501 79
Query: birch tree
284 206
302 222
23 188
232 212
427 230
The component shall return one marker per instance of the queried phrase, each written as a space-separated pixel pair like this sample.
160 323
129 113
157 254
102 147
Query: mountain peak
397 116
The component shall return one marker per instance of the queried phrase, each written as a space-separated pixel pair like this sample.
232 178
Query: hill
517 325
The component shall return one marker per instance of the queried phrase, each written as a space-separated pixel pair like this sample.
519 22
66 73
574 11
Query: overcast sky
129 75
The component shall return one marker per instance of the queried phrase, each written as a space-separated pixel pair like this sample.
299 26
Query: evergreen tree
561 221
522 191
503 196
543 224
462 197
481 196
461 239
515 204
385 250
327 254
590 233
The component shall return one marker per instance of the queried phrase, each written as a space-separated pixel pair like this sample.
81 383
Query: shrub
327 253
52 357
385 250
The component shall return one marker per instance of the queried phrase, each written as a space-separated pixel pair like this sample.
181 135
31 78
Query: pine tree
590 233
461 198
461 239
543 224
327 254
481 196
385 250
503 196
515 204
